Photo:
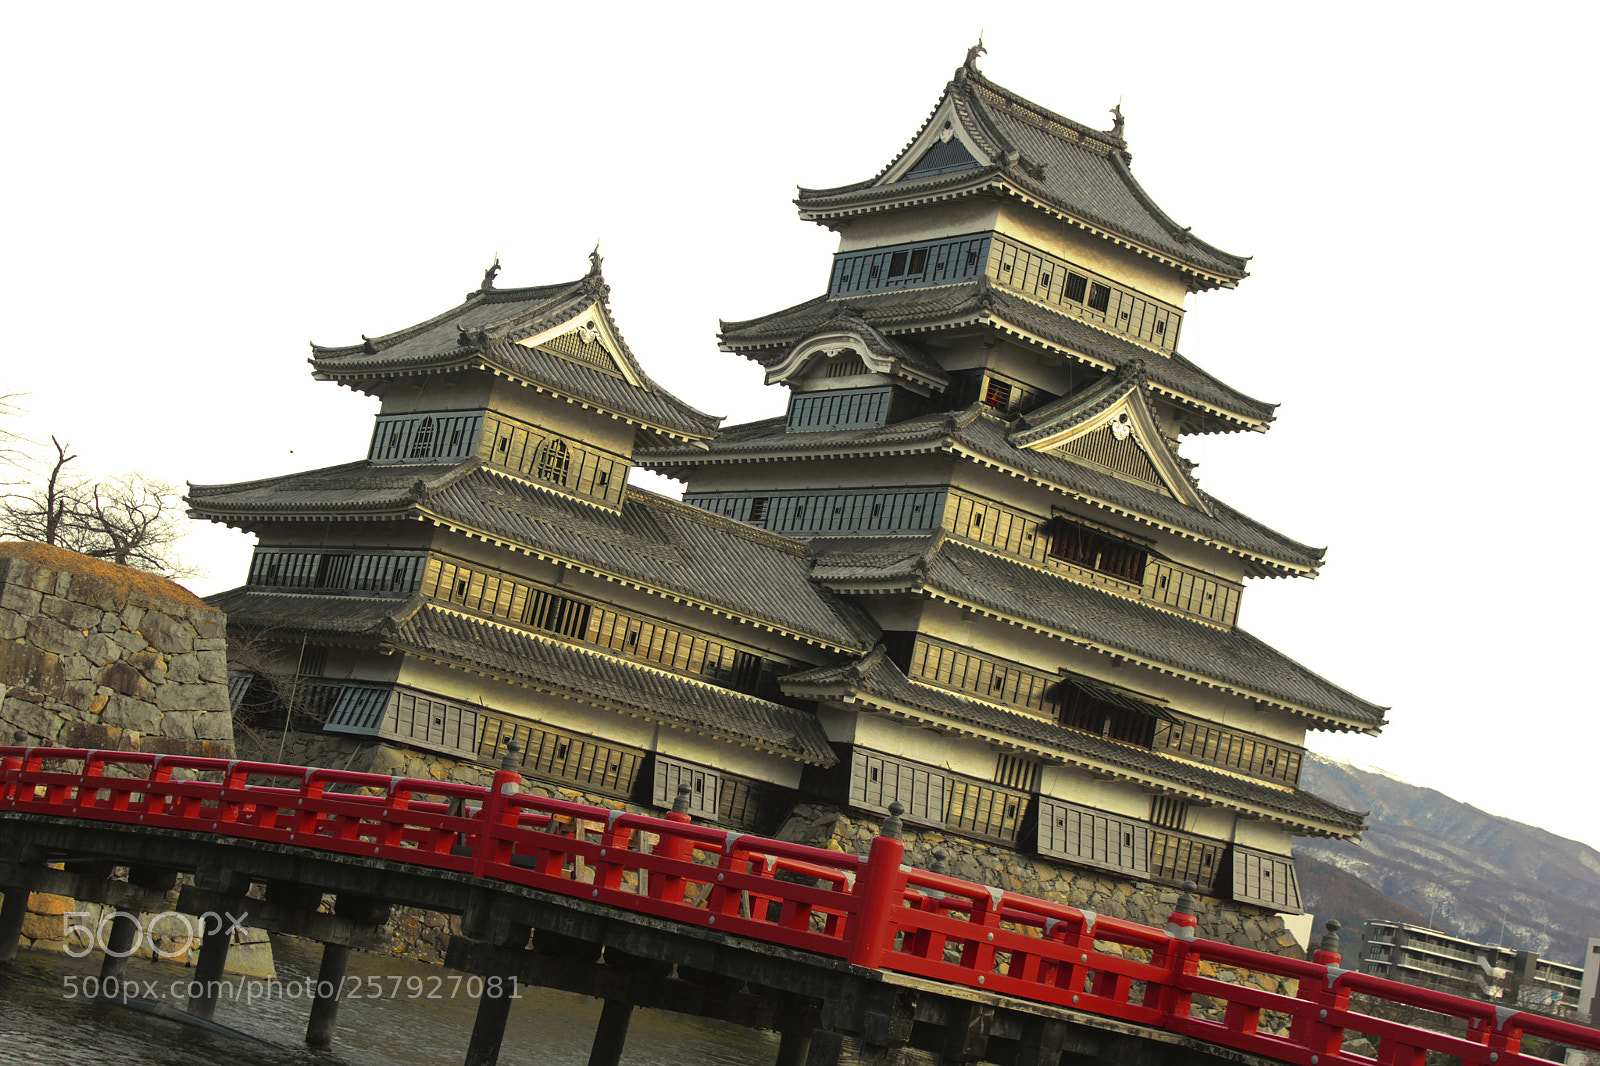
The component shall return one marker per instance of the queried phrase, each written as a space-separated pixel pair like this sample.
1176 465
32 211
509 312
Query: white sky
194 191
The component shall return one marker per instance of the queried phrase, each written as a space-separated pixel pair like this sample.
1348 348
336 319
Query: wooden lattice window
1168 813
555 462
1085 547
422 442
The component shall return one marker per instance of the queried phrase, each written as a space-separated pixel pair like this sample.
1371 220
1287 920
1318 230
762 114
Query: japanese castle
969 570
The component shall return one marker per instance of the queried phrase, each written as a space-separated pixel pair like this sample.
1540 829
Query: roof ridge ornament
971 63
1118 120
595 259
490 274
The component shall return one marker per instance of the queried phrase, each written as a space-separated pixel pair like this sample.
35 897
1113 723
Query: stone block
214 667
184 669
130 713
49 635
31 673
214 725
99 648
80 695
211 644
13 624
166 633
122 677
71 613
47 903
110 622
43 927
211 625
131 617
18 598
179 724
129 640
78 667
151 663
201 697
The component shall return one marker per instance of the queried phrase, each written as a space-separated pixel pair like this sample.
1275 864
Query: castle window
1168 813
1077 284
555 462
1087 548
1099 297
422 443
998 394
758 510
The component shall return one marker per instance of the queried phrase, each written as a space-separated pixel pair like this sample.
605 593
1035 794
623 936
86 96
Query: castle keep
969 570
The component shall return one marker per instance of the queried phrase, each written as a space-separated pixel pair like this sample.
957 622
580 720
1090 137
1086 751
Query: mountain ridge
1429 859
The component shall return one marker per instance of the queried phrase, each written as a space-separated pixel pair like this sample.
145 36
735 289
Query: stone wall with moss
95 655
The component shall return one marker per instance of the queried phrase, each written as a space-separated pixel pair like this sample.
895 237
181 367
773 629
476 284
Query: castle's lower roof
876 682
548 664
1228 659
980 433
659 544
901 312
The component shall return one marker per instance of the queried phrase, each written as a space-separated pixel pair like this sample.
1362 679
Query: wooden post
794 1048
325 1007
611 1035
12 913
119 945
881 887
208 971
489 1027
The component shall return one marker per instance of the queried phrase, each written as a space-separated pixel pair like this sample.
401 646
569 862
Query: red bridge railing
873 911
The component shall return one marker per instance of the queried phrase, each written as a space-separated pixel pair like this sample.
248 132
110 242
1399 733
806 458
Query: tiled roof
980 432
877 676
485 329
905 311
297 613
705 559
1063 164
1228 659
615 683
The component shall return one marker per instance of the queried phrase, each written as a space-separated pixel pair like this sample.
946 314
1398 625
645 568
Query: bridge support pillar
1041 1043
119 945
794 1048
207 980
611 1035
325 1007
489 1026
12 913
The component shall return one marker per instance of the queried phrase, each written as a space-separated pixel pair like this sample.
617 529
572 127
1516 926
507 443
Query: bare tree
130 519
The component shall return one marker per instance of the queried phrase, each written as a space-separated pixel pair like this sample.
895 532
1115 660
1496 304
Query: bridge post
794 1048
118 947
324 1018
215 939
611 1034
499 988
880 887
14 911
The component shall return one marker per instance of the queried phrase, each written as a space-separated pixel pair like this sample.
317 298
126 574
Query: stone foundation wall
94 655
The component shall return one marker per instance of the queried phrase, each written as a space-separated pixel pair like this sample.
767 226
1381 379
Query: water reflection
406 1014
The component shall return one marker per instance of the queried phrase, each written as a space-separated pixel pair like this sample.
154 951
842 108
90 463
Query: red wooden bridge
871 913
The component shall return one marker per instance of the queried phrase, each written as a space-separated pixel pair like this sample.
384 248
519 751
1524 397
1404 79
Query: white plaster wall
728 757
1098 254
1074 786
467 391
930 222
1263 836
961 755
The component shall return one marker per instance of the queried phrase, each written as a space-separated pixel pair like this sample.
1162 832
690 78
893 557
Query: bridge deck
851 957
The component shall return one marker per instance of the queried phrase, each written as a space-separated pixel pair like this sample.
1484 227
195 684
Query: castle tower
982 447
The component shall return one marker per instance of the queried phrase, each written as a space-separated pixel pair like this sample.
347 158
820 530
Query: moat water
406 1013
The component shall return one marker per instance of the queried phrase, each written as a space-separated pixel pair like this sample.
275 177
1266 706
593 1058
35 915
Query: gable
591 342
943 158
1123 438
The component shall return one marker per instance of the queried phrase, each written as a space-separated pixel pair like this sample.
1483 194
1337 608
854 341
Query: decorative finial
1117 119
367 345
19 737
681 804
489 275
1330 939
892 825
595 260
974 52
513 756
